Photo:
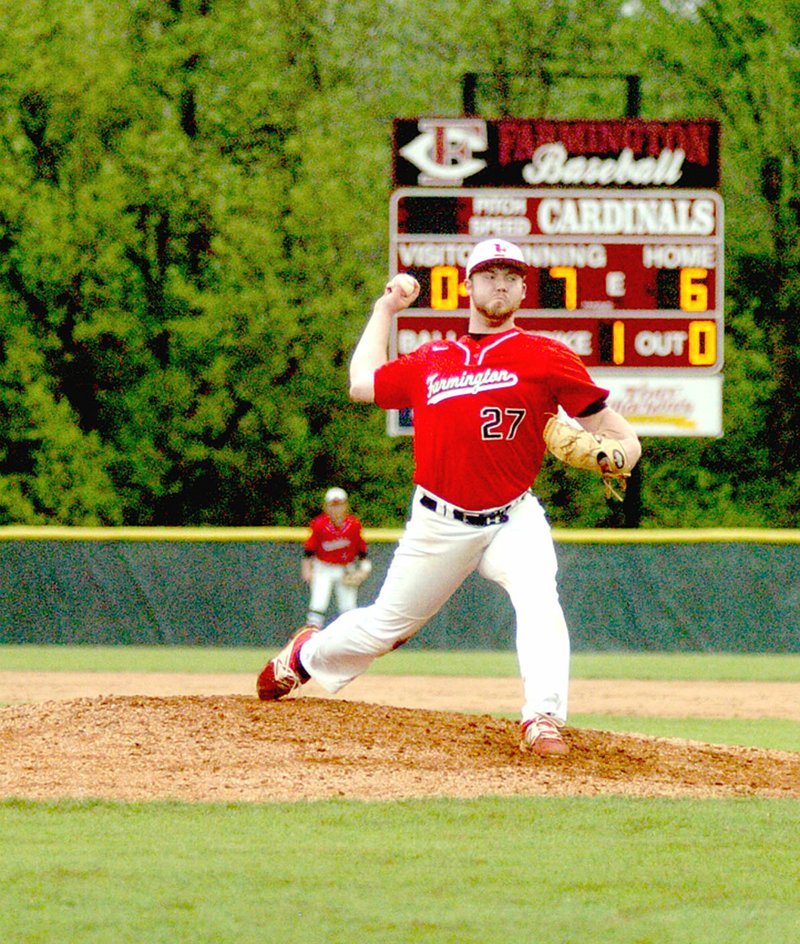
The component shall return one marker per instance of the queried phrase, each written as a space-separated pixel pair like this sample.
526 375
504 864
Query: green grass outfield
519 871
489 664
546 870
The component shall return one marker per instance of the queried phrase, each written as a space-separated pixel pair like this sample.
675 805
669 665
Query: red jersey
336 545
480 407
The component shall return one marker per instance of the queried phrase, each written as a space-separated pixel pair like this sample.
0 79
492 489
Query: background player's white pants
326 579
433 558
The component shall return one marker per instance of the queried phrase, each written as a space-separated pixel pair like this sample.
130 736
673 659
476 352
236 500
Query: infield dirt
207 738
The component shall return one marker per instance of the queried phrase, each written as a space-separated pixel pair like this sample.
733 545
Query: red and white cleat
541 736
283 674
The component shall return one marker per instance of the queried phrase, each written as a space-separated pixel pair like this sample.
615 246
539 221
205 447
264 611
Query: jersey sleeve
573 387
395 381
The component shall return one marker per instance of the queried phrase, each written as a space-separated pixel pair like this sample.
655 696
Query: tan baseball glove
356 573
583 450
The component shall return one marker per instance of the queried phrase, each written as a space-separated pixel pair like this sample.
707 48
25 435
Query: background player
480 406
334 558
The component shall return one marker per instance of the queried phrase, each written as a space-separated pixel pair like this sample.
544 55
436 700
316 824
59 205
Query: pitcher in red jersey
480 405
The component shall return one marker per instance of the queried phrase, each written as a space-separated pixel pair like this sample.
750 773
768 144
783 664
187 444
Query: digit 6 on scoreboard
693 290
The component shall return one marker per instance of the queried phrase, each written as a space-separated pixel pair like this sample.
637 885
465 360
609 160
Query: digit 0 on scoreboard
446 288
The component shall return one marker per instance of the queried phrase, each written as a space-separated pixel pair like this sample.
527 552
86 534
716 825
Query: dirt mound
496 696
234 748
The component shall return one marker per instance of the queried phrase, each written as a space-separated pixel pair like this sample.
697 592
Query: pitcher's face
496 293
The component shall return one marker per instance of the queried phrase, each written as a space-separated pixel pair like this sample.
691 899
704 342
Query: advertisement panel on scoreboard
672 405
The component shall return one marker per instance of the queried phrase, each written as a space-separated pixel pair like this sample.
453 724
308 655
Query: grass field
519 871
541 870
493 664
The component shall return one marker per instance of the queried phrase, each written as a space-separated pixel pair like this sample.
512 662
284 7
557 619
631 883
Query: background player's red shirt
480 407
336 544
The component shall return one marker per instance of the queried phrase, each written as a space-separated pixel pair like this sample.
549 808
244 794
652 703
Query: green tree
739 63
194 224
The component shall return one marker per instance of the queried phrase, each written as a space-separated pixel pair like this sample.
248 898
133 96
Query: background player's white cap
492 251
335 495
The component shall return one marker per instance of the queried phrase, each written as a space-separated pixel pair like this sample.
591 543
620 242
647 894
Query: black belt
478 519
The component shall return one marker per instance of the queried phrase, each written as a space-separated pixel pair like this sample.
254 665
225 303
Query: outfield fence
626 590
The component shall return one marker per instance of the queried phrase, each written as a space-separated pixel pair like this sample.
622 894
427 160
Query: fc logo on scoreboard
444 150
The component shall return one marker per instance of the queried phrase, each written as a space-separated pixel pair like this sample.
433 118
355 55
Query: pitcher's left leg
522 560
431 561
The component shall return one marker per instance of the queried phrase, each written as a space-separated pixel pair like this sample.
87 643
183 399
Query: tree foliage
193 226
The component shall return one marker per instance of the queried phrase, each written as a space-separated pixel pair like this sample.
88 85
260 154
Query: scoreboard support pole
632 502
633 90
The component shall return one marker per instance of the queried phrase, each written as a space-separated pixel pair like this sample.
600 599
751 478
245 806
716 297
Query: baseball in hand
406 284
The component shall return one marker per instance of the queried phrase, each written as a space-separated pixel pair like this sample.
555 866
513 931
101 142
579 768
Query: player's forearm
371 352
610 423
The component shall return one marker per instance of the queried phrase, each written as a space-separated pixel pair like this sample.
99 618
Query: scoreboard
630 279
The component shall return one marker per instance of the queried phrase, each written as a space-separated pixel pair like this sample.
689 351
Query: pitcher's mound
234 748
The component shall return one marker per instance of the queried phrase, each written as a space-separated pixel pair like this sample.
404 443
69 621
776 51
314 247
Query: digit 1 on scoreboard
618 342
611 342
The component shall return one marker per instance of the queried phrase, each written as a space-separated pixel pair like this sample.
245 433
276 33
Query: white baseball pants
433 558
325 581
